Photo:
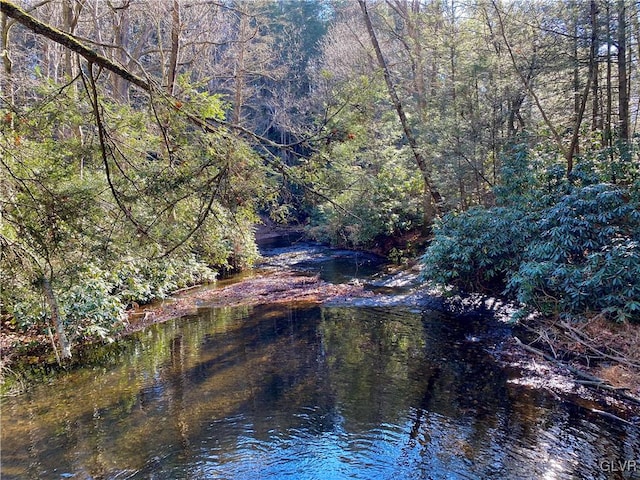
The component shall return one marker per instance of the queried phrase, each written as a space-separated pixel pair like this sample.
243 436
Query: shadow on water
308 393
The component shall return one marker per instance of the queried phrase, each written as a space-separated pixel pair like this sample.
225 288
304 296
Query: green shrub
91 311
581 255
141 281
477 249
93 306
586 257
29 311
380 203
575 251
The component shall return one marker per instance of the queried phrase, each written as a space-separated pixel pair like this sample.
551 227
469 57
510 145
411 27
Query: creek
294 391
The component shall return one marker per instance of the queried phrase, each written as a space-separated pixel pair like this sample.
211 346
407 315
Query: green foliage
29 310
93 306
518 171
370 186
141 281
564 246
203 103
374 205
90 310
478 249
162 208
586 257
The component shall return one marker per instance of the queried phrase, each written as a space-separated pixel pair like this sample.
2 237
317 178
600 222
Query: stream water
308 393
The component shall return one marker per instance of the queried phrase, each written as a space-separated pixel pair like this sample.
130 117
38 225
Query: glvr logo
619 465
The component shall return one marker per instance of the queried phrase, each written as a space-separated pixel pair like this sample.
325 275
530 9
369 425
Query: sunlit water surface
306 393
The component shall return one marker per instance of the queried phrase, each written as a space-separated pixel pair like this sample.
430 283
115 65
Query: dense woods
142 141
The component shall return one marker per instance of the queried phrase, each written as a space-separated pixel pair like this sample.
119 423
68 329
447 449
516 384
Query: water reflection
318 393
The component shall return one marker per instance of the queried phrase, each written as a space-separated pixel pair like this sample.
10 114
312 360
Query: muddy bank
265 288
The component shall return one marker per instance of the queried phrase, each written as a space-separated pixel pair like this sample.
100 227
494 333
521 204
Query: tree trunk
432 196
4 43
623 95
121 34
175 47
65 346
596 116
608 134
635 19
576 72
576 82
239 68
70 16
6 84
69 27
582 104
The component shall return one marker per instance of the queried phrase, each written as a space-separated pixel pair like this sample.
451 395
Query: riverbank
230 382
268 287
537 351
263 287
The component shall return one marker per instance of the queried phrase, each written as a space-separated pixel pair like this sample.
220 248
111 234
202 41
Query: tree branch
70 42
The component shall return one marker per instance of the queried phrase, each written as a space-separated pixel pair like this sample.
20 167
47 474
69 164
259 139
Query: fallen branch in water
612 416
590 344
185 289
592 380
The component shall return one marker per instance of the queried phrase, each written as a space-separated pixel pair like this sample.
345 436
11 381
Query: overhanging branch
70 42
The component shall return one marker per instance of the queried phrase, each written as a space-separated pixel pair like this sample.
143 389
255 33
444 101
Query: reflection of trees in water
373 363
462 414
398 366
208 386
404 360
